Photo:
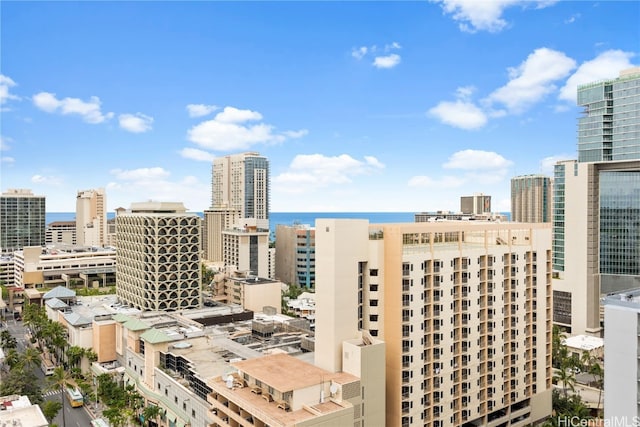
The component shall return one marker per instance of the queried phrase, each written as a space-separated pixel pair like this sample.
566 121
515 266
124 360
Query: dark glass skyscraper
22 220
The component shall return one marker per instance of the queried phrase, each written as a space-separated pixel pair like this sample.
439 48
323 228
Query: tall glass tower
22 220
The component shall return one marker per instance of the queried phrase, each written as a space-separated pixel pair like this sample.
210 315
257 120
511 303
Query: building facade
91 218
215 221
22 220
464 309
609 129
621 362
158 257
531 198
61 232
477 204
296 255
246 249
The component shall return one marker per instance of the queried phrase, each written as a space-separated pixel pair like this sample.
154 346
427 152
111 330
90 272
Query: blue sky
359 106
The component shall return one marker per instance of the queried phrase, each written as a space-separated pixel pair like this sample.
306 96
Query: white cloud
607 65
7 160
359 52
547 164
295 133
424 181
89 111
46 180
475 15
572 18
462 114
533 79
388 61
141 174
6 83
199 110
136 123
308 172
195 154
235 115
227 131
477 160
4 143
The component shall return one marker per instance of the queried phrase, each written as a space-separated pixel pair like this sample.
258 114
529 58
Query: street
75 417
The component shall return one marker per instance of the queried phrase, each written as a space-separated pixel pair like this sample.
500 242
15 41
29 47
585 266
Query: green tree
564 375
151 413
50 409
74 355
115 416
21 382
60 381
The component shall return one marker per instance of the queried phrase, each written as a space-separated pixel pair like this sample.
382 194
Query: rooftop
284 372
584 342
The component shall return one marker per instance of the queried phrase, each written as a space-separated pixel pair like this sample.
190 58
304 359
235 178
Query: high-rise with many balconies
463 307
158 257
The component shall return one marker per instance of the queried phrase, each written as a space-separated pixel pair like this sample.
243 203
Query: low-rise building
18 411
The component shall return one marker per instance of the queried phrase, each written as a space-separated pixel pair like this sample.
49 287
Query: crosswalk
51 393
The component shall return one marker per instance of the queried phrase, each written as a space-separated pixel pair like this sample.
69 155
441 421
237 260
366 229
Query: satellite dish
334 388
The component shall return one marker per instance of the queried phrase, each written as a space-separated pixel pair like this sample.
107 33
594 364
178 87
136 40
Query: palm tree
74 355
31 357
596 370
564 374
60 380
151 413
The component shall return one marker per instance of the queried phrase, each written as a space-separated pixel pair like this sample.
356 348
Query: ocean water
286 218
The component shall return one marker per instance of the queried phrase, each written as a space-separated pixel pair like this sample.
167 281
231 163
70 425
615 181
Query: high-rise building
596 205
296 254
239 190
61 232
91 218
477 204
246 248
241 181
609 129
158 257
463 307
531 198
22 220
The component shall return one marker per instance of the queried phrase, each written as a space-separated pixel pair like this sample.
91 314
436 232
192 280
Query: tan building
296 255
477 204
246 249
531 198
64 265
215 221
280 390
91 218
464 309
61 232
251 292
158 257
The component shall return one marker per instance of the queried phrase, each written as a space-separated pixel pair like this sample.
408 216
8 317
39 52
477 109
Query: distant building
91 218
464 310
246 248
158 257
251 292
531 198
35 267
479 203
61 232
458 216
621 350
216 220
22 220
296 255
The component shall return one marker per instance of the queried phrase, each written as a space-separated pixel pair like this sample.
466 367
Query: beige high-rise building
215 221
477 204
91 217
531 198
464 309
246 249
239 191
158 257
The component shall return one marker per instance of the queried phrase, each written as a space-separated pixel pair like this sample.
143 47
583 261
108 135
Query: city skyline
358 106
